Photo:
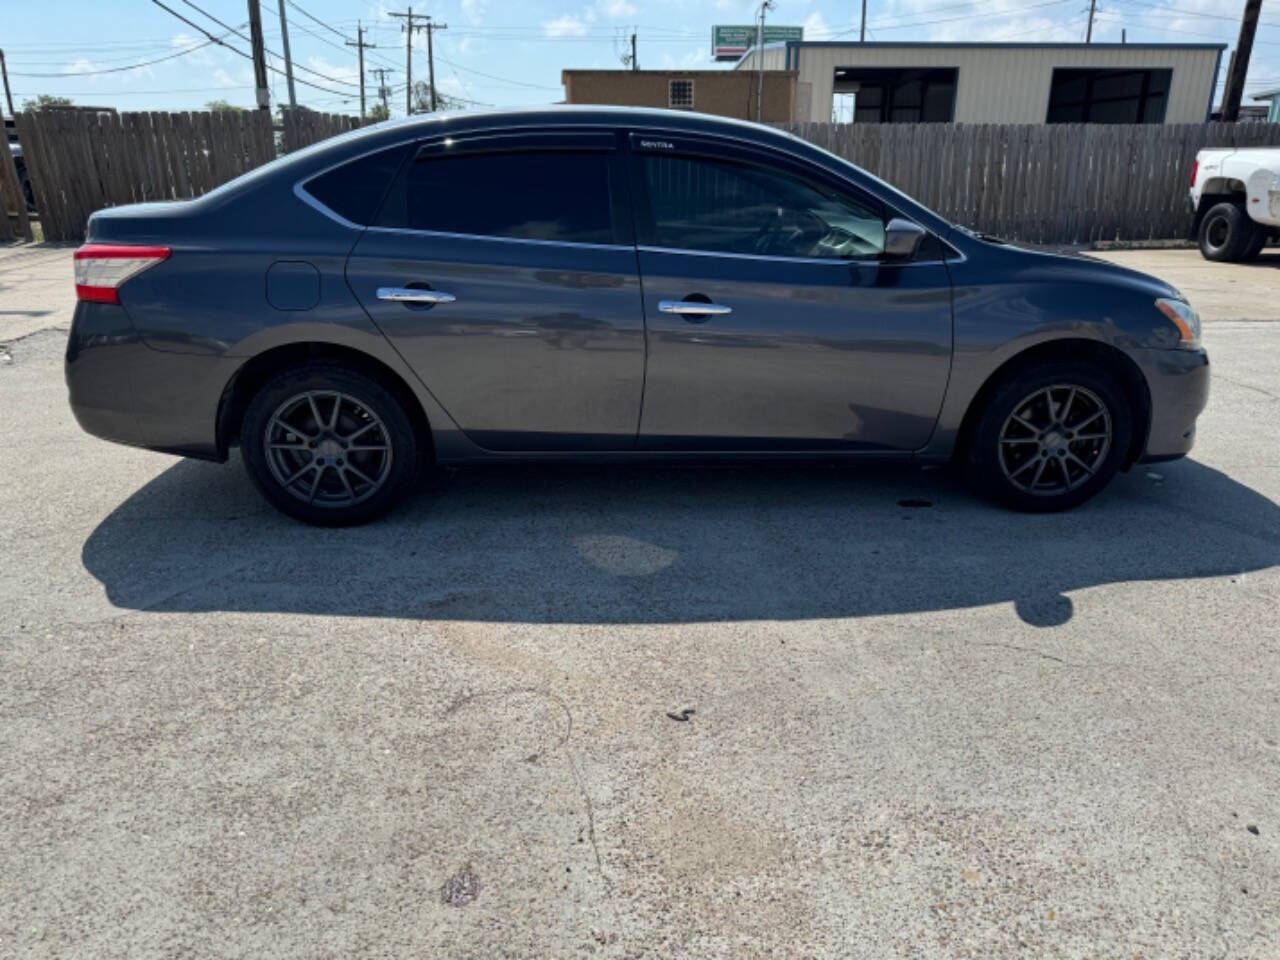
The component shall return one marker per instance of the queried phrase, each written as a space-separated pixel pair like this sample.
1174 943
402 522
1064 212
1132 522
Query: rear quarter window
354 191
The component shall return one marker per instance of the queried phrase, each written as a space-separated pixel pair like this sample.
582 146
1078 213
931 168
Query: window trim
682 143
671 86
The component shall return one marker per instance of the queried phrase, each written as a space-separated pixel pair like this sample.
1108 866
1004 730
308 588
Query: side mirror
902 239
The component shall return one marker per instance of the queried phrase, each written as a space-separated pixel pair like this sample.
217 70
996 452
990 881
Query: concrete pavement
942 731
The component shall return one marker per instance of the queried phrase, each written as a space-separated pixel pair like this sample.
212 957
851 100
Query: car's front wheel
1050 436
329 445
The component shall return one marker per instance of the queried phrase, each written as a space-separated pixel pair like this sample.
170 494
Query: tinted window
725 207
354 190
892 95
531 195
1108 96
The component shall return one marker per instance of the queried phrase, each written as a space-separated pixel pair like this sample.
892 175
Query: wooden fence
1063 183
80 162
1059 183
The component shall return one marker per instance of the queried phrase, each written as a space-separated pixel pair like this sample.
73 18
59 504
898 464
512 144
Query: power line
490 76
1192 13
134 66
323 76
236 50
315 19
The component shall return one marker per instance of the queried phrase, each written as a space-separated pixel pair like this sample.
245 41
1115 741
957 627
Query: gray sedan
609 284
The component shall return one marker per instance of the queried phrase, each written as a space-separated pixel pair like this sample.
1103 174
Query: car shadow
628 544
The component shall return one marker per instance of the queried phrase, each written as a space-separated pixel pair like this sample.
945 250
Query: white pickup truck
1235 196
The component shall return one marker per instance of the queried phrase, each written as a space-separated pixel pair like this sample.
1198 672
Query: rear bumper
124 391
1179 384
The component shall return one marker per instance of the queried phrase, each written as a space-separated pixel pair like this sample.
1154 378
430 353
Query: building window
1108 96
680 95
895 95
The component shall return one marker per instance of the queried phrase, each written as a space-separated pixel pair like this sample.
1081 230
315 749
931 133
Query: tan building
727 93
995 82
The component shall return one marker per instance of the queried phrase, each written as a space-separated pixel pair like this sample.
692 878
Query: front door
773 323
503 269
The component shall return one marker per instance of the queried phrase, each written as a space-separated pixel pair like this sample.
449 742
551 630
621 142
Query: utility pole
765 6
288 60
259 56
432 27
411 23
1088 33
634 65
4 71
383 90
1240 62
862 34
360 45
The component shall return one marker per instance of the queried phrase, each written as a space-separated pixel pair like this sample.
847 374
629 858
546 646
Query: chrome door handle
694 308
411 295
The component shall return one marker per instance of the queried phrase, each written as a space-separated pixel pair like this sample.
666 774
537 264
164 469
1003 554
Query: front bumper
1178 381
122 390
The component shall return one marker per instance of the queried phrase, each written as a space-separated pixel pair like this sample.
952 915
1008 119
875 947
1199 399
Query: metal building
996 82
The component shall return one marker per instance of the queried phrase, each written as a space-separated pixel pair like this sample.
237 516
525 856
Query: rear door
774 321
503 269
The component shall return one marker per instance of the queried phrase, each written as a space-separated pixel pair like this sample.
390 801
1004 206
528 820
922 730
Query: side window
354 190
727 207
525 195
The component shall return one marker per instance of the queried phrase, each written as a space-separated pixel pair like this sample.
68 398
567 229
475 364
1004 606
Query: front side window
722 206
523 195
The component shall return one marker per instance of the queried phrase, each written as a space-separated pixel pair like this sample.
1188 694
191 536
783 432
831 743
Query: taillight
101 268
1195 168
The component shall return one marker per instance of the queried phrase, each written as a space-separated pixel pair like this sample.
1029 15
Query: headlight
1184 318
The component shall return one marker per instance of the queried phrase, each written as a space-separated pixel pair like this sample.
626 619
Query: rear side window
523 195
355 190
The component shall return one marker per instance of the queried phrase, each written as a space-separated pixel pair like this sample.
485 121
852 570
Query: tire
1259 240
1057 470
1226 233
329 445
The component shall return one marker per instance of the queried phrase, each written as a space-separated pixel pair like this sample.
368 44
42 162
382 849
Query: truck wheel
1256 242
1226 233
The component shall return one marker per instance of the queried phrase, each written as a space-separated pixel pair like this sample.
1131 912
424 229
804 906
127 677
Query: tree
221 105
422 99
379 112
46 101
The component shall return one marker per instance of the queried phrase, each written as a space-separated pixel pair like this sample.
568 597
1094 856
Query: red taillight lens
102 267
1195 168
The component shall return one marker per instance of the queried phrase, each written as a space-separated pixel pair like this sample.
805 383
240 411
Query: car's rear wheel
1227 234
1050 436
329 445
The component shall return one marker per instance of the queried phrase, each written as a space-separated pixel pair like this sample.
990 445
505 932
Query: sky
134 55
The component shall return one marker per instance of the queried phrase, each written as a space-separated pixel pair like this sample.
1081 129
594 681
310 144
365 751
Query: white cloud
564 26
475 10
815 27
201 57
618 9
242 77
80 66
322 65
